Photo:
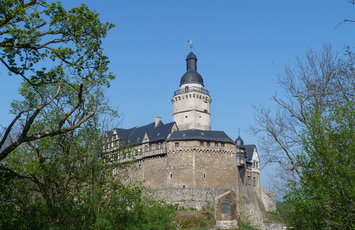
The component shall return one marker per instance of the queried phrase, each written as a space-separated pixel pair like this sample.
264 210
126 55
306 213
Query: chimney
157 120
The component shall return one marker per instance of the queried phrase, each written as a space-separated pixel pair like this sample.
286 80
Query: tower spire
191 62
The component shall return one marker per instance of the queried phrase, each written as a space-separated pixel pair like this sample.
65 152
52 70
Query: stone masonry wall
190 197
188 165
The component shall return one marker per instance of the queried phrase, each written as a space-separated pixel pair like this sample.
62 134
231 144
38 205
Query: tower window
185 116
171 175
222 144
216 144
204 175
177 144
201 143
208 144
254 184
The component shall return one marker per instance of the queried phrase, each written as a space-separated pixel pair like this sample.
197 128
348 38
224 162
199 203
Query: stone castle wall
187 164
190 197
190 173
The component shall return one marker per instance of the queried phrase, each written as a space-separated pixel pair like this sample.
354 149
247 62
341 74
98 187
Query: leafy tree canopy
59 55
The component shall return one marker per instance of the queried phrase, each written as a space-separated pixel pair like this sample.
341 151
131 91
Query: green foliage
34 32
194 219
323 198
56 176
58 53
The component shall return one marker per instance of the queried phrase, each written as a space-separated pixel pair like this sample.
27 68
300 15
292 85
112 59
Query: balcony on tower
189 89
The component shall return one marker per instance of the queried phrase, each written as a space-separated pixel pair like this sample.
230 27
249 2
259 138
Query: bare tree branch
23 138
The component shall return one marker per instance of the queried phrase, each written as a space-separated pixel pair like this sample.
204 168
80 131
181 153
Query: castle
185 161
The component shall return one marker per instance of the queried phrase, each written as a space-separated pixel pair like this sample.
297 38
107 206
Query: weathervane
190 42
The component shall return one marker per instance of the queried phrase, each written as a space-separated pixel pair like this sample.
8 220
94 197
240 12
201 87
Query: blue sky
242 48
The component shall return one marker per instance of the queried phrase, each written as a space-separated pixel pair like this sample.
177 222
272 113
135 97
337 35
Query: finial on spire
239 132
190 42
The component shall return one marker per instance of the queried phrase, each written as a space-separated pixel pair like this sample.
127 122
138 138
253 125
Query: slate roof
135 135
239 141
249 149
191 55
202 135
191 75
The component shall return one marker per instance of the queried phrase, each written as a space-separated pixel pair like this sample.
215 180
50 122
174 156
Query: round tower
192 102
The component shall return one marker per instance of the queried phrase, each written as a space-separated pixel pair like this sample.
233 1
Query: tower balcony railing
191 89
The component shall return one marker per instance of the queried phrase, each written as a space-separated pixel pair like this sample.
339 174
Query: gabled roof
136 135
249 149
161 132
203 135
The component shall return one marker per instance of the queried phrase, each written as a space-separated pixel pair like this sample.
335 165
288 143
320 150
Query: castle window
201 143
249 180
185 116
222 144
177 144
183 186
186 89
216 144
254 184
204 175
171 175
208 144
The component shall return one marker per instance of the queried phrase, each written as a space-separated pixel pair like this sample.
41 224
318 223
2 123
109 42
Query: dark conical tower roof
239 141
191 75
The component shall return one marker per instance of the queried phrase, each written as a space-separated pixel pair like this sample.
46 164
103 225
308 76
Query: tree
55 176
64 182
324 197
34 33
311 136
